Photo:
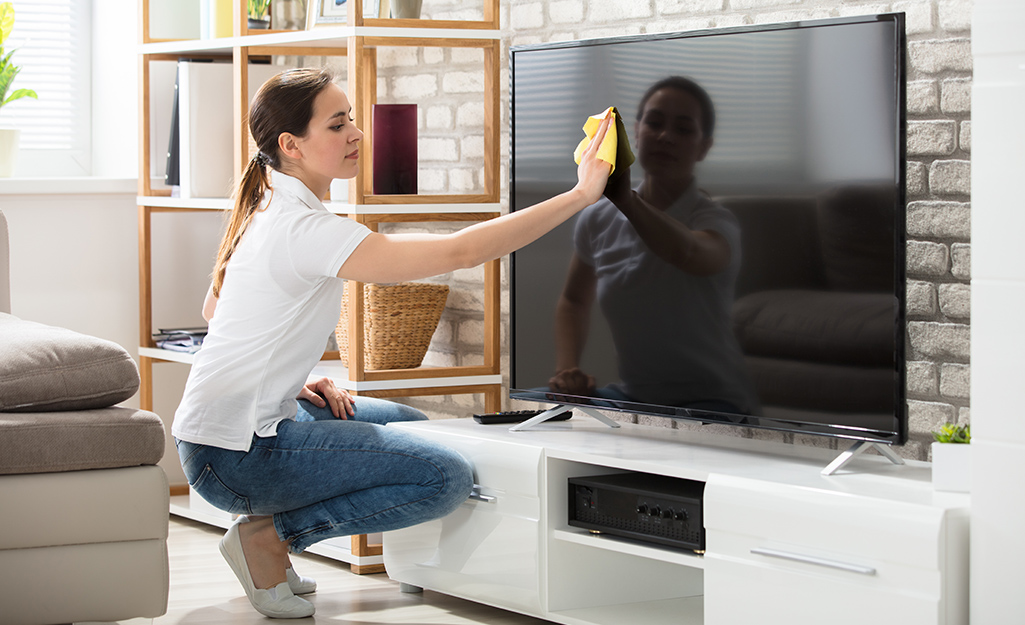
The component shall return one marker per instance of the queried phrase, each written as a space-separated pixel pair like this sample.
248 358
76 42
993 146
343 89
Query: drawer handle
833 564
476 495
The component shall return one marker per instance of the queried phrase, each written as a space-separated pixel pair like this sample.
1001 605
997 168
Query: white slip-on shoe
300 585
277 602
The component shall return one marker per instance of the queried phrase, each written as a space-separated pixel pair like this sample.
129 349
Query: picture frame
336 12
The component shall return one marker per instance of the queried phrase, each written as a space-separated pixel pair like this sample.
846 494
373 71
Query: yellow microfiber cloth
615 149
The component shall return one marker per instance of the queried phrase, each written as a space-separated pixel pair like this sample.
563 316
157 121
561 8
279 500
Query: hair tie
261 158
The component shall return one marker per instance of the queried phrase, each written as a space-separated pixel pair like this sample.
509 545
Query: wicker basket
398 323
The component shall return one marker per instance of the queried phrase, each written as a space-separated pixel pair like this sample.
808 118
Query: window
51 39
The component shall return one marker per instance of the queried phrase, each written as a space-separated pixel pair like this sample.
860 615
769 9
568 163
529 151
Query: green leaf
8 70
19 94
953 433
7 74
6 20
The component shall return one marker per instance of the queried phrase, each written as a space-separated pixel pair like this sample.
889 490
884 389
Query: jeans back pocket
211 488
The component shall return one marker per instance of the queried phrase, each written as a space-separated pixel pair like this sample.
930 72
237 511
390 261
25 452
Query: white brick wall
447 85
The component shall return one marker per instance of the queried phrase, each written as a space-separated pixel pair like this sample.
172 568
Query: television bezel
899 435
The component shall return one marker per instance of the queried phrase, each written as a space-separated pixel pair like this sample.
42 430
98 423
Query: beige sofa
83 506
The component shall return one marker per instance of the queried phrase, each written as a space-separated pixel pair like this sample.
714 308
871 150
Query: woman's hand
323 392
592 172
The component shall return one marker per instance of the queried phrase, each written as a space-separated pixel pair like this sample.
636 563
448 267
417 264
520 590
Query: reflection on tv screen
748 267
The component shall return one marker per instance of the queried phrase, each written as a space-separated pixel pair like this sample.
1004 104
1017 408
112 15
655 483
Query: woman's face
330 148
669 136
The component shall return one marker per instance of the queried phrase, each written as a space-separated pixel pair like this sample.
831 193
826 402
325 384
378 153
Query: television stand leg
591 412
856 449
548 414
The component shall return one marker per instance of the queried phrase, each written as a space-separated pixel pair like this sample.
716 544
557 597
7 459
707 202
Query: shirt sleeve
321 242
718 219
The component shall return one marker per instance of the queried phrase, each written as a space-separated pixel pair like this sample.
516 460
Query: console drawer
488 550
801 554
830 524
503 466
482 551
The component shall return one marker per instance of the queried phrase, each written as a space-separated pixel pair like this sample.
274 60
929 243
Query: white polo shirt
672 330
277 307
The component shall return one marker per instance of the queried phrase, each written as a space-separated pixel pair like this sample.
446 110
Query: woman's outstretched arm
400 257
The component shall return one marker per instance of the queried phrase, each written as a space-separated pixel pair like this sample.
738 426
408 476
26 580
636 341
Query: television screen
748 267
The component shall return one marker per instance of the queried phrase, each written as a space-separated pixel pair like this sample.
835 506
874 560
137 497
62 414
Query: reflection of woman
662 261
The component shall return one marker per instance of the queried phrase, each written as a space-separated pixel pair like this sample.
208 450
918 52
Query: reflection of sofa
83 526
815 305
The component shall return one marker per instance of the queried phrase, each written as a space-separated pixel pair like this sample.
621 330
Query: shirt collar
283 182
687 202
683 204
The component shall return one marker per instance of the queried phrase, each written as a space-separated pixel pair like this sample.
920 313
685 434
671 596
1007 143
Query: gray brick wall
448 86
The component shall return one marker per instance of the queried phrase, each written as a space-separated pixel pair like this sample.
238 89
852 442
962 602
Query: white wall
998 299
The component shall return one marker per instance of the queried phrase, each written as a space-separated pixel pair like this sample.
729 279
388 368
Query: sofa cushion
817 326
858 241
821 388
106 438
44 368
83 507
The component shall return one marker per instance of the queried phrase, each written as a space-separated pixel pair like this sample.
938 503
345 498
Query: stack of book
180 339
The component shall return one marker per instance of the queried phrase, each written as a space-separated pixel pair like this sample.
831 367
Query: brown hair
283 104
686 85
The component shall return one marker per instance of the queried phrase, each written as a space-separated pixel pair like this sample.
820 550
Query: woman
661 260
301 461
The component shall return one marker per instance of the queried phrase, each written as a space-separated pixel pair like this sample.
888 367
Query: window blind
755 81
51 39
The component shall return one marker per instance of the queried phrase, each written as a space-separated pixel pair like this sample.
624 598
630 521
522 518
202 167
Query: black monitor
802 327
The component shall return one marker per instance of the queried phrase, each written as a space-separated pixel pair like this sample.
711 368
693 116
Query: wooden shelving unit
358 41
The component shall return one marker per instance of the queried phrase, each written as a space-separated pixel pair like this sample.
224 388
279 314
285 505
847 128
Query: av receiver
651 508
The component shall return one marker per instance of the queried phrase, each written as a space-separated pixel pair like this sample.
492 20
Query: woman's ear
288 145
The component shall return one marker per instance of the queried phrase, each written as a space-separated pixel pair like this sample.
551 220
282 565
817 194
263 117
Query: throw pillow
48 369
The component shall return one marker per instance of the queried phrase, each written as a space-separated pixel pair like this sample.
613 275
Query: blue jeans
322 477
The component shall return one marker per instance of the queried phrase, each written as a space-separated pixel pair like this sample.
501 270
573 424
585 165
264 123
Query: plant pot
951 467
255 24
406 9
9 138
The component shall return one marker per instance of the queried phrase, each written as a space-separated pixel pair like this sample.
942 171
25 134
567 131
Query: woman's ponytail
248 196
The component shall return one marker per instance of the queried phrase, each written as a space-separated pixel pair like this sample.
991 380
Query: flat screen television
799 326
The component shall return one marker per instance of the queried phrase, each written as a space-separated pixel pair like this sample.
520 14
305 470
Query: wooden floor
204 590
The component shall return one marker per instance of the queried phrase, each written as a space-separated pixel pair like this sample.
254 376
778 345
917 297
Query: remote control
517 416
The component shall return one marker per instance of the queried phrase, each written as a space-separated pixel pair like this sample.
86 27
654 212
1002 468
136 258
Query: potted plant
951 458
259 14
8 71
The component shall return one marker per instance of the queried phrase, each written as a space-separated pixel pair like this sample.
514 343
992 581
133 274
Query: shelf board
166 354
190 203
338 372
630 547
321 37
683 611
339 208
344 208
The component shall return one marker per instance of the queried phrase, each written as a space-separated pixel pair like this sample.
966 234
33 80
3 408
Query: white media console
872 543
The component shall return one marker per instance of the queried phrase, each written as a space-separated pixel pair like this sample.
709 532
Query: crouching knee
458 482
